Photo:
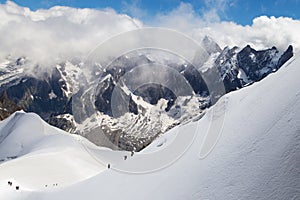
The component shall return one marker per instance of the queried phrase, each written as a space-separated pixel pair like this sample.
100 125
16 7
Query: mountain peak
210 45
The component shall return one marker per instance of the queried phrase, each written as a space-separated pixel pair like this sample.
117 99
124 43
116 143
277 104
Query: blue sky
239 11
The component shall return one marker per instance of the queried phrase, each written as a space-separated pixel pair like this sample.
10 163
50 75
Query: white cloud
264 32
134 9
216 8
59 33
181 18
220 5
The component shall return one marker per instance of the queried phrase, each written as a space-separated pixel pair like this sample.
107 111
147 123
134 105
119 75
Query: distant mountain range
57 96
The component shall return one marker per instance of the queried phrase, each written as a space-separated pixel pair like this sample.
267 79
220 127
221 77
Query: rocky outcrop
7 106
239 68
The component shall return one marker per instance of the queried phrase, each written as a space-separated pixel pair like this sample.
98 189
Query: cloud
185 16
134 9
220 5
264 32
49 36
181 18
216 9
59 33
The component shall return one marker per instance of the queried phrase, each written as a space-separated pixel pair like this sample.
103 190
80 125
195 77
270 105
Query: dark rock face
151 93
285 56
63 121
7 106
34 95
257 64
195 79
103 96
44 95
227 66
253 65
109 80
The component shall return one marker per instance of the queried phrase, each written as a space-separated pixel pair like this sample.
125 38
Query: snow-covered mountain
58 95
256 156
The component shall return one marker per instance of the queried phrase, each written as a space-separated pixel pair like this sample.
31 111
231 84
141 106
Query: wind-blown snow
256 157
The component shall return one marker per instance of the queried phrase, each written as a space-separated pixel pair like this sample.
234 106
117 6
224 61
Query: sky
48 35
239 11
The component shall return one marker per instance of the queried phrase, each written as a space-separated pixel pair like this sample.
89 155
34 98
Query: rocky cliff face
152 108
239 68
7 106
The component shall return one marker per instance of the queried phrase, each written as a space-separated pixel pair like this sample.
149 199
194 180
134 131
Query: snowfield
44 155
257 155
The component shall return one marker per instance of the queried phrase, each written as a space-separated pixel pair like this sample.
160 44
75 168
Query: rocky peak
241 67
210 45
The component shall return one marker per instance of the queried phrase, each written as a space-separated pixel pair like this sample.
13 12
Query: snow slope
44 155
256 157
